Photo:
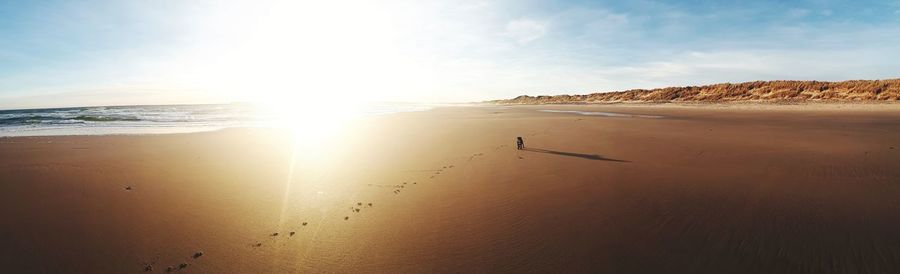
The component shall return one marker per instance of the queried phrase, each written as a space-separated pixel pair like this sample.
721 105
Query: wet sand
697 190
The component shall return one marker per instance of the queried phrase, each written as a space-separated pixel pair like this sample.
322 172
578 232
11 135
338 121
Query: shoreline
568 108
885 107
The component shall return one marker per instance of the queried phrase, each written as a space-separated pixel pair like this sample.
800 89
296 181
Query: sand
698 190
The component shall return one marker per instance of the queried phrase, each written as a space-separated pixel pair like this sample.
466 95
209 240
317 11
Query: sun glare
310 69
300 47
313 124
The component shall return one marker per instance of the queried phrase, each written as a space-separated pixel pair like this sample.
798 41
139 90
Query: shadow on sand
572 154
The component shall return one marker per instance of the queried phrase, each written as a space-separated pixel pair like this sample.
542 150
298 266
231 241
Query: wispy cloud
526 30
797 13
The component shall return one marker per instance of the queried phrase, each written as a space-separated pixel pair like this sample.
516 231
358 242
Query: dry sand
701 190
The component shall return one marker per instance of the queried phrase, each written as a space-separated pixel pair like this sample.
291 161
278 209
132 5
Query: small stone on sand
346 218
304 223
198 254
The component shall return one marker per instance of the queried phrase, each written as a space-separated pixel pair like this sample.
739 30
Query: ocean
156 119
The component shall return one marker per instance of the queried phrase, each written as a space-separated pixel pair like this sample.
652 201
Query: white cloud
797 13
472 6
592 23
526 30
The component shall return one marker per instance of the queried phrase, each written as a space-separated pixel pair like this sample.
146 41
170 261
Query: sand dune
759 91
698 190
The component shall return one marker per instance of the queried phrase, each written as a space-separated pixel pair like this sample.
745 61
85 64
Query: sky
83 53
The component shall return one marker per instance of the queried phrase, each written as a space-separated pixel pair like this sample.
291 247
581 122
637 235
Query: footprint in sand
475 155
148 266
172 268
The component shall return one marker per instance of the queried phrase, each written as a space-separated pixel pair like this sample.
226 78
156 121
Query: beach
648 189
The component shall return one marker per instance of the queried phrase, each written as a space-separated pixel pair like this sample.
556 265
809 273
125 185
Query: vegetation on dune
759 91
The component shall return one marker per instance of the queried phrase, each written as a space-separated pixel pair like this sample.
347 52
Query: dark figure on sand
520 144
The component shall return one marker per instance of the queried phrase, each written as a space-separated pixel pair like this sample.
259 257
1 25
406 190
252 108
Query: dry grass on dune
759 91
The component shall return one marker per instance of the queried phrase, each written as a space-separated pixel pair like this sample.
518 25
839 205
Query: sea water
155 119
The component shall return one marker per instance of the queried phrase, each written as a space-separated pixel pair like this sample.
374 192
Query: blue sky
68 53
